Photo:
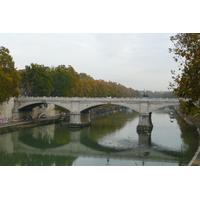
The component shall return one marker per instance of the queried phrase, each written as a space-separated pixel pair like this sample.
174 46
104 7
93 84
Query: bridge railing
23 98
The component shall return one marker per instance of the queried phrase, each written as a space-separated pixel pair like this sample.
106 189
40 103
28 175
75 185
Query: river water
111 140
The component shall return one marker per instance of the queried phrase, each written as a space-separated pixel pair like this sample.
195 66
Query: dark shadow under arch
98 105
30 106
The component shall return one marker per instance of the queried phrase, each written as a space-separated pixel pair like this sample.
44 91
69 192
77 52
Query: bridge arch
156 107
93 105
32 105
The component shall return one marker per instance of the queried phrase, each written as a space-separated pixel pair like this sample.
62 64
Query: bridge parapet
94 98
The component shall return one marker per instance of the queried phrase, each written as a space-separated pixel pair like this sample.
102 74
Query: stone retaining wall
6 109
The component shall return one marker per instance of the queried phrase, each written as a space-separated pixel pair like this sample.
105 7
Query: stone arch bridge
80 107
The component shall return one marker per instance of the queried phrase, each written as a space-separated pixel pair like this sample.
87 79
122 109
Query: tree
60 81
101 88
37 80
187 83
66 81
89 87
84 75
76 89
9 77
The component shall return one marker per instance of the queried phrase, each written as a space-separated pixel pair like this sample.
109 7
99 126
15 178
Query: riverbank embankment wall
6 109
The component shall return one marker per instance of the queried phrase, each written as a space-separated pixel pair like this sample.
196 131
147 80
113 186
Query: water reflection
112 139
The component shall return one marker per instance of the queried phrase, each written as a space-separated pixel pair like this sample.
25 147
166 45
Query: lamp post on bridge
145 94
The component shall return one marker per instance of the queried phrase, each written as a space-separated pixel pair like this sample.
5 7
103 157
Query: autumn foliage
38 80
187 82
9 78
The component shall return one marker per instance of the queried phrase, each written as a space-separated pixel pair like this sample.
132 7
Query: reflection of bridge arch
28 140
35 143
86 141
78 146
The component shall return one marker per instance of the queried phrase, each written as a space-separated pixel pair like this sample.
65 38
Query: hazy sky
121 41
141 61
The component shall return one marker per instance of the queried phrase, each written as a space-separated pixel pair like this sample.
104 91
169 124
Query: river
111 140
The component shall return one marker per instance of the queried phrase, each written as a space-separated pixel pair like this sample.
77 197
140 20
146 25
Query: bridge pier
15 113
145 123
78 119
144 137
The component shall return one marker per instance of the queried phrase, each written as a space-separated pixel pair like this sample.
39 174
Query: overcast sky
140 61
121 41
